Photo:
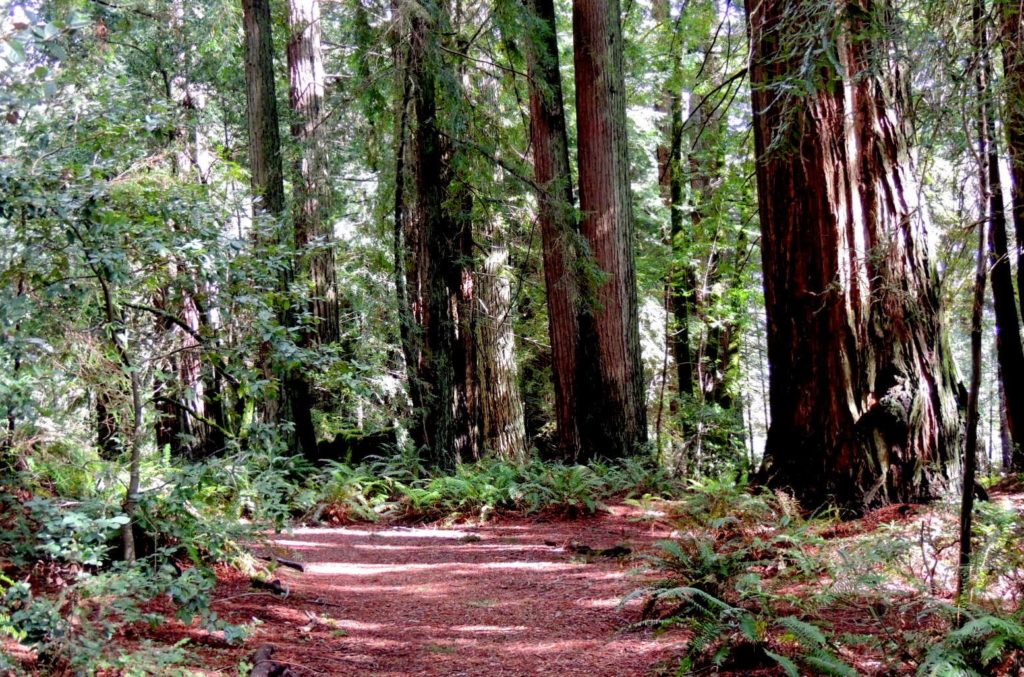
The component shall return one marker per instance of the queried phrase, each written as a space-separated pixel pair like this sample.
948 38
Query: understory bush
66 594
759 586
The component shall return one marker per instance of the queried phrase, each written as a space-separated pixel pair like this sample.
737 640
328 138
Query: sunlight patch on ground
336 532
603 603
364 569
531 566
299 544
476 547
490 629
346 624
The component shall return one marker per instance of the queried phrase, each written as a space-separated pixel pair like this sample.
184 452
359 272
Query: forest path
512 597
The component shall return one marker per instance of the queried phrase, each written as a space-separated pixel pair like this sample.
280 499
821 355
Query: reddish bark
558 225
863 410
610 395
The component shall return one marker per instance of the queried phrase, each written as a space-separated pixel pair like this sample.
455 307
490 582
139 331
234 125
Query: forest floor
516 596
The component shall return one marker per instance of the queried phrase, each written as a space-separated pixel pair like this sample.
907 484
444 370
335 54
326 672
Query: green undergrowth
757 587
399 488
65 593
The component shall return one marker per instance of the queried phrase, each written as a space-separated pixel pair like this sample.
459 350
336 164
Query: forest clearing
511 337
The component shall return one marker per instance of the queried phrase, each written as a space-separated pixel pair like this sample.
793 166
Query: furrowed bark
612 403
267 178
862 384
504 429
437 255
556 215
313 237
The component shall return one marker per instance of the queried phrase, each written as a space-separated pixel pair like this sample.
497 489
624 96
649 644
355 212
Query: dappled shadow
503 599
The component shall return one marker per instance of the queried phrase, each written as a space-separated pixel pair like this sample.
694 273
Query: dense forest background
260 256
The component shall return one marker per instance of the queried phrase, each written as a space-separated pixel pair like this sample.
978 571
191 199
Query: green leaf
787 665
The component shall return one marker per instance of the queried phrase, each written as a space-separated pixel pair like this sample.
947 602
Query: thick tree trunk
556 215
1008 344
1012 41
863 407
610 395
1009 350
313 237
437 261
504 426
267 177
265 166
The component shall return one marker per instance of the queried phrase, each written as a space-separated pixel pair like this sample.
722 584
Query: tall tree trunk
611 396
438 284
504 425
556 215
717 346
987 160
862 383
670 179
1008 342
267 176
312 185
1011 16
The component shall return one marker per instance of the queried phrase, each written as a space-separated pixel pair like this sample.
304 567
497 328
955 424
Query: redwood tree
436 255
556 215
610 395
1011 356
267 178
312 186
862 385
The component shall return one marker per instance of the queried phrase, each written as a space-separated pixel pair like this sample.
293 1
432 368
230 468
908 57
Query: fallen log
290 563
264 665
275 586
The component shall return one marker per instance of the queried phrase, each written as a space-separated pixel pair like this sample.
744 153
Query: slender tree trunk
268 186
504 426
987 159
862 383
611 398
670 178
556 215
1005 443
313 237
717 347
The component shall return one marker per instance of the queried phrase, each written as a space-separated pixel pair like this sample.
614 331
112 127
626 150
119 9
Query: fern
825 663
808 635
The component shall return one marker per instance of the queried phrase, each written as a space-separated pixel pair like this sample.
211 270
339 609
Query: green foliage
397 488
976 647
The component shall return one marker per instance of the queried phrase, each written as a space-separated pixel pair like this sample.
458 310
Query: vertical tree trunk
611 396
267 176
1009 349
438 283
986 157
265 166
670 178
504 426
312 185
862 383
556 215
1011 16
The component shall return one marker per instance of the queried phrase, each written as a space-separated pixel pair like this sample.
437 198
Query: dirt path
510 598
